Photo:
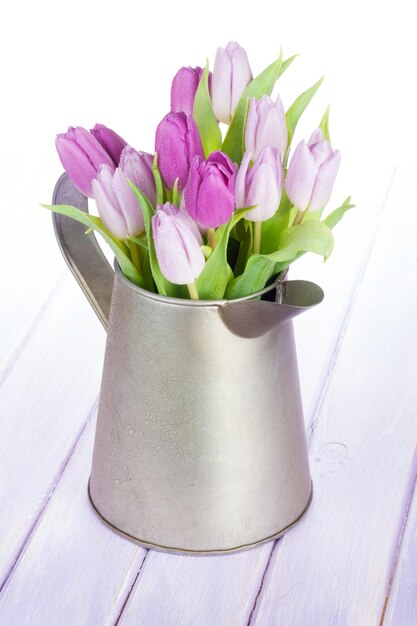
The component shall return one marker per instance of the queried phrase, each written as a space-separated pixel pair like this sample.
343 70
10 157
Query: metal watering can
200 445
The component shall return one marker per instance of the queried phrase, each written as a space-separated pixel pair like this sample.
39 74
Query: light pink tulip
265 126
231 76
311 173
260 185
137 166
177 247
117 204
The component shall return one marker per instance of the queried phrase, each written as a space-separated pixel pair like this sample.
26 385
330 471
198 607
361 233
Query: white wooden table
351 561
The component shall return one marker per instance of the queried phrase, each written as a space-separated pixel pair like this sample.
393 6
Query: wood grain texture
401 607
333 569
45 401
75 570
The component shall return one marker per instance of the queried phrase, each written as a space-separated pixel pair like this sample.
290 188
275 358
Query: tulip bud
231 76
265 126
184 87
177 142
137 167
209 195
116 203
311 173
111 141
81 155
260 185
178 251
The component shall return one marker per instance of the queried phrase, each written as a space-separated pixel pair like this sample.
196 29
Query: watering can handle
83 254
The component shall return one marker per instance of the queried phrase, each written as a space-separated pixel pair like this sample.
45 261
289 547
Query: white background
84 62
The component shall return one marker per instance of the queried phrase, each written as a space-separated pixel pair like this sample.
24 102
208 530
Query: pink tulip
177 247
265 126
184 87
231 76
82 155
260 185
110 140
137 167
311 173
116 203
177 142
209 195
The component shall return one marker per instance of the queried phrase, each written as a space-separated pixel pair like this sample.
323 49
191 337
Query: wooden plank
401 607
75 570
222 590
45 401
333 567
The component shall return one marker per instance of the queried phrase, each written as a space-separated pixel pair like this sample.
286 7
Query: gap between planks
399 535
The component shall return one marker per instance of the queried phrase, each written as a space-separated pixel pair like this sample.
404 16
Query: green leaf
158 180
324 124
163 285
311 236
208 126
271 229
119 249
335 216
212 282
258 87
297 109
286 64
176 193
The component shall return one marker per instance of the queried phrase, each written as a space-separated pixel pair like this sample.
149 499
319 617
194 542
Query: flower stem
192 289
298 218
134 253
211 236
257 234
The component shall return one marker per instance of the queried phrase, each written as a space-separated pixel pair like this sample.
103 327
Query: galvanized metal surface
200 443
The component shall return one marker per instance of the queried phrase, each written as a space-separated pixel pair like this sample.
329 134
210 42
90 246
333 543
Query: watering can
200 445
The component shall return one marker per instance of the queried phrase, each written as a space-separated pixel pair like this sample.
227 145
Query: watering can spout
253 318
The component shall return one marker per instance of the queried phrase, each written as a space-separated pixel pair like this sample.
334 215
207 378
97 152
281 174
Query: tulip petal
77 164
301 176
264 193
94 150
324 182
128 204
221 88
137 166
216 203
241 76
110 216
240 187
112 143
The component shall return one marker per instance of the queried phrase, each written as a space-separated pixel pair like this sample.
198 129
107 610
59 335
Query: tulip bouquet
208 216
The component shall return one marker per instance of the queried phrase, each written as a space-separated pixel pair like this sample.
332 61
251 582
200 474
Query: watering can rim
184 301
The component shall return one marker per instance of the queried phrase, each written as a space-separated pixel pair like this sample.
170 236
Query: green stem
298 218
134 253
257 234
192 290
211 236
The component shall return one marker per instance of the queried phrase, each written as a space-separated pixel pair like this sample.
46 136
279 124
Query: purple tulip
81 155
111 141
178 251
260 185
231 76
183 89
117 204
137 166
312 172
209 195
177 142
265 126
